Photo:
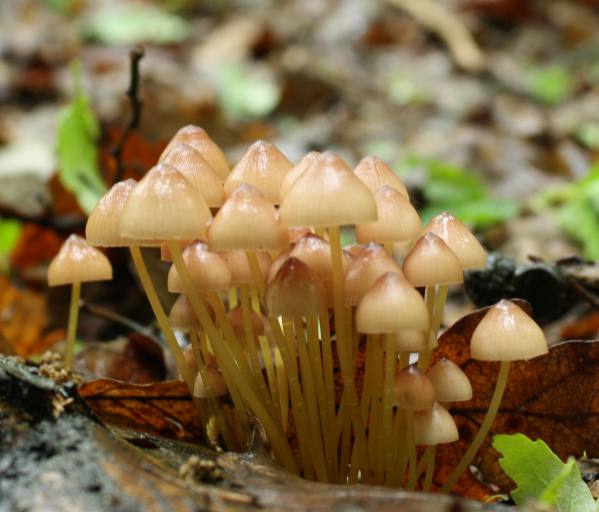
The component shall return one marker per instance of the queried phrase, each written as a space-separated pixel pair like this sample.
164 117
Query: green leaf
77 154
135 23
10 231
551 84
245 92
540 474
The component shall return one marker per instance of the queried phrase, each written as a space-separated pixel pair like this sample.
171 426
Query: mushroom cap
413 390
238 265
165 250
247 221
459 239
199 140
375 173
263 166
507 333
391 305
295 291
291 177
214 386
316 253
397 221
208 270
328 193
370 263
430 262
435 426
278 263
450 382
190 357
410 340
182 316
103 225
78 262
257 320
164 206
194 167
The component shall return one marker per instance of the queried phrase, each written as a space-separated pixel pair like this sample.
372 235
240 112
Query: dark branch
136 105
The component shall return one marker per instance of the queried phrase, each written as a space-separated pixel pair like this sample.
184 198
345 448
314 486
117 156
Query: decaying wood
67 460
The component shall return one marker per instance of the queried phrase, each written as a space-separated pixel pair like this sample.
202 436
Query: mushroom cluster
326 348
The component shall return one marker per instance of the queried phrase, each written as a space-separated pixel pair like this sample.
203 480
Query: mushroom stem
424 356
429 458
255 271
273 385
389 248
227 364
344 349
437 316
72 326
232 297
165 327
390 369
329 384
411 446
283 386
504 370
399 431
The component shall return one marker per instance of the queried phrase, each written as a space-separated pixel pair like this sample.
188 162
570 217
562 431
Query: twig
101 311
136 105
442 20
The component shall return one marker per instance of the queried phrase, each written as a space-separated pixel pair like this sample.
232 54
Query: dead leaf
163 408
36 246
553 397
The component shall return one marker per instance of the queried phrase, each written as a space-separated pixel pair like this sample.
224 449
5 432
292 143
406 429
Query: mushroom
376 174
76 262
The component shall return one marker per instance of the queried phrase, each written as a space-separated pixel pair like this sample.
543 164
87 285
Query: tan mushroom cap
278 263
78 262
296 233
506 333
295 291
238 265
316 253
328 193
450 382
435 426
397 221
292 176
103 225
413 390
165 250
430 262
199 140
190 357
194 167
410 340
376 174
263 166
164 206
391 305
249 222
370 263
214 385
182 316
459 239
257 321
208 270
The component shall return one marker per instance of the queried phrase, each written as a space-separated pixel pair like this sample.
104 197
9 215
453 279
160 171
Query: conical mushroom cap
249 222
190 357
207 269
397 220
391 305
194 167
410 340
435 426
182 316
295 291
257 320
371 263
450 382
240 271
263 166
297 233
213 386
376 174
506 333
316 253
459 239
164 206
199 140
102 228
413 390
328 193
278 263
291 177
430 262
78 262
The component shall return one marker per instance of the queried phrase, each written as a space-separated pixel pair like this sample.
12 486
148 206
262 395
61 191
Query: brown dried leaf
163 408
553 397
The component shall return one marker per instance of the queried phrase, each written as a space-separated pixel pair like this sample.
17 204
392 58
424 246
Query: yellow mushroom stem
435 301
227 364
72 325
504 370
429 458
